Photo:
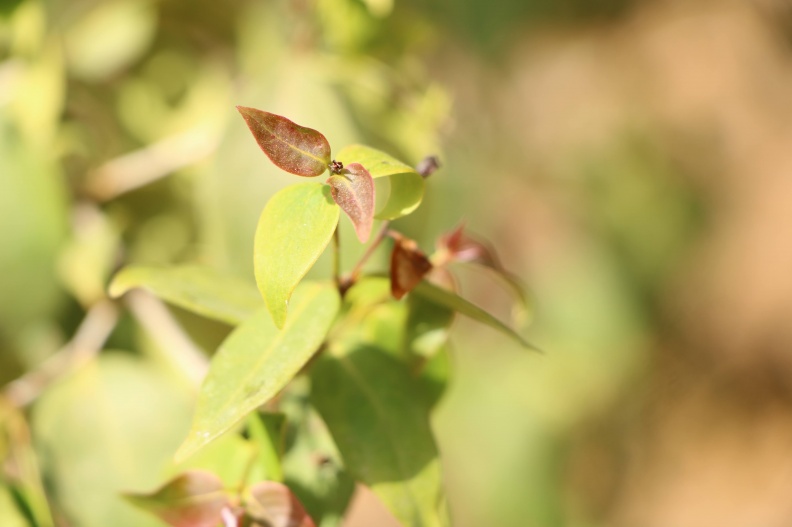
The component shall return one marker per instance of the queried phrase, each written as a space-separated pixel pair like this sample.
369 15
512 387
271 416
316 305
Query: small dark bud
428 166
336 166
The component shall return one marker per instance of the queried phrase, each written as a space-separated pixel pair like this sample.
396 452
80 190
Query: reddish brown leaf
408 266
275 505
353 190
294 148
193 499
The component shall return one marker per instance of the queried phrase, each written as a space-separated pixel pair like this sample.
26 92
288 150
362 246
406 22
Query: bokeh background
630 159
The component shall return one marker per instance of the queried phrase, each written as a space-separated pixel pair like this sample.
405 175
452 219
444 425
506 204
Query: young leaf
275 505
198 289
257 360
453 301
353 190
294 148
293 230
193 499
408 266
378 415
457 246
406 185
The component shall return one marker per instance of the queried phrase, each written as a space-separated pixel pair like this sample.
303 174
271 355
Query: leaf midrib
290 145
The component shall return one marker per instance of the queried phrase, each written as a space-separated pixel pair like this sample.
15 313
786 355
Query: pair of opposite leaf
305 152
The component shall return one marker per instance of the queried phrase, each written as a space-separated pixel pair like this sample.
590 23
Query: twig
355 273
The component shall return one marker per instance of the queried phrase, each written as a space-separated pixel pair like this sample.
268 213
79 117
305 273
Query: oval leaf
353 190
294 148
293 230
193 499
275 505
257 360
406 184
201 290
408 267
378 415
453 301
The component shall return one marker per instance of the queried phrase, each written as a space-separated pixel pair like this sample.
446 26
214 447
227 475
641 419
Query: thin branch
353 276
337 257
88 340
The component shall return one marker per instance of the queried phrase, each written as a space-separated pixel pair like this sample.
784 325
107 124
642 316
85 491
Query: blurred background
630 159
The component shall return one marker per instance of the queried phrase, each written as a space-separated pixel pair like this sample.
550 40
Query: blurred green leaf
110 37
451 300
293 231
257 360
311 464
192 499
428 325
266 433
199 289
297 149
354 192
9 513
378 415
110 428
406 185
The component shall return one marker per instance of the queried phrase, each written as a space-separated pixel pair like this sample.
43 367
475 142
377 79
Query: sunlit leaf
293 230
193 499
9 512
453 301
257 360
378 415
294 148
276 506
198 289
408 266
406 185
353 190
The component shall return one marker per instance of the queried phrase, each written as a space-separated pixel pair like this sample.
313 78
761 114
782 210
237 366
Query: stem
337 257
383 231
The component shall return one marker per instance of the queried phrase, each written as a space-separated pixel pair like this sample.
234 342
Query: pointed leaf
457 246
275 505
198 289
453 301
193 499
294 229
406 185
353 190
257 360
378 415
408 266
294 148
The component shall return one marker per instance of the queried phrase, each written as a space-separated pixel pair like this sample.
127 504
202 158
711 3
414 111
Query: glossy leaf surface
353 190
276 506
294 148
378 415
293 230
257 360
451 300
406 185
193 499
198 289
408 266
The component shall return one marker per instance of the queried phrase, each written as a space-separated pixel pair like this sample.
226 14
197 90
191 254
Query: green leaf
451 300
354 191
110 428
406 185
378 415
428 325
193 499
266 432
257 360
294 148
274 504
294 229
198 289
9 513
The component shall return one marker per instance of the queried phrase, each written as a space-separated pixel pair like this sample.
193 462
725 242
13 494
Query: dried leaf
408 266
